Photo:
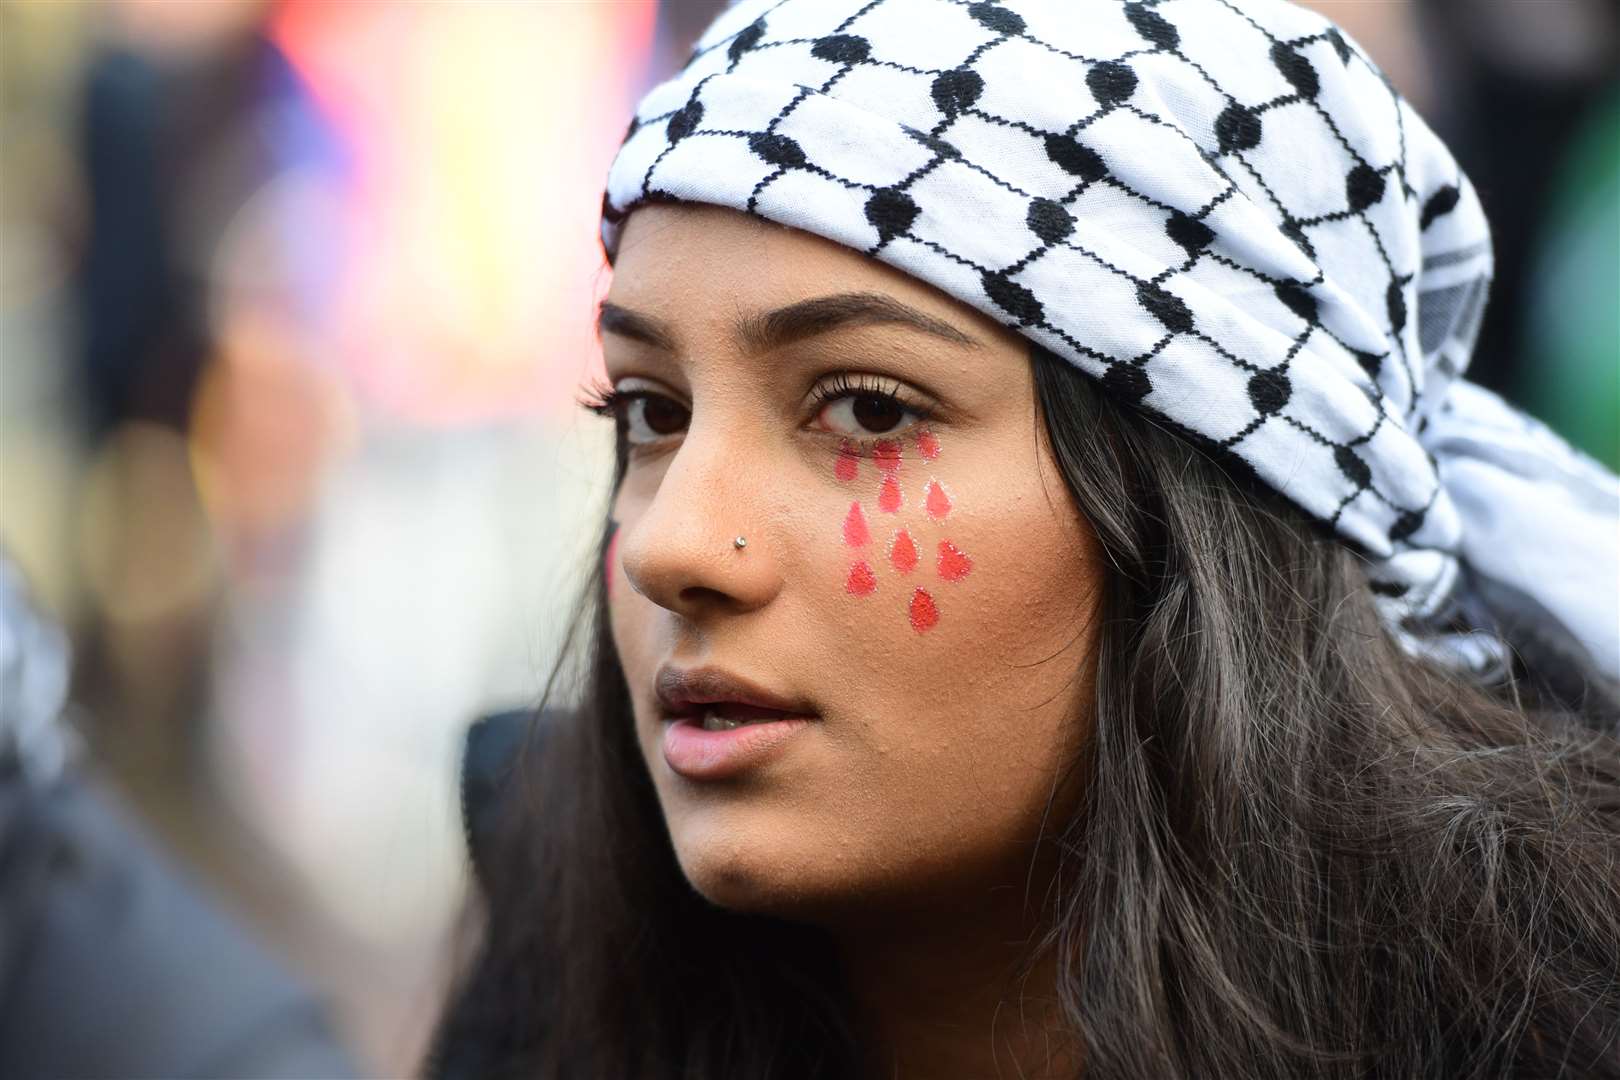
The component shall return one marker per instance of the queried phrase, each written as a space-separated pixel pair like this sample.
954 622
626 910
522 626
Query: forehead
696 263
665 240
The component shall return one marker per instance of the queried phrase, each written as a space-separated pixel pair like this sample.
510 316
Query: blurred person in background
185 364
271 287
1062 611
1528 94
112 963
169 366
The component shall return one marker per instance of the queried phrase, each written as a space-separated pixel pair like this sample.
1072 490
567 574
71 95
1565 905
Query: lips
684 693
718 725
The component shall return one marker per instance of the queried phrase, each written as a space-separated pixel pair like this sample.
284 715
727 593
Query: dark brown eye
860 412
877 413
651 417
664 416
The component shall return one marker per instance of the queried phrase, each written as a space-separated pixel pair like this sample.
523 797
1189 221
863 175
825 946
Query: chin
758 866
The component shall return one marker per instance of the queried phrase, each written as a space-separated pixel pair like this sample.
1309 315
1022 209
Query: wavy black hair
1301 851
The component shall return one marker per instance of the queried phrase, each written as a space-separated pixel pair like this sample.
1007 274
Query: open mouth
719 725
727 715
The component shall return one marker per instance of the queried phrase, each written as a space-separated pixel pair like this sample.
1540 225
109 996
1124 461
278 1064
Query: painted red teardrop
848 466
936 501
924 615
889 496
855 531
903 552
861 580
954 563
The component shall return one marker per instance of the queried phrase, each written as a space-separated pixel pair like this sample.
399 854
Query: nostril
703 595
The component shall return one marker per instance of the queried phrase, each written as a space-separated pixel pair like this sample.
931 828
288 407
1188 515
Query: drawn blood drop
928 445
923 612
889 494
886 455
953 564
848 463
936 501
902 552
861 582
855 532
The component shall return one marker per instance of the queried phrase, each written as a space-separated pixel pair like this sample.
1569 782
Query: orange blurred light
167 26
144 546
481 135
263 426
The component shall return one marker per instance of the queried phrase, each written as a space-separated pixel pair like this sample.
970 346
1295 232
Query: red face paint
849 462
889 497
861 580
923 612
953 563
902 552
855 531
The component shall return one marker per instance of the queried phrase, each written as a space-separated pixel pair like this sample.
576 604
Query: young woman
1062 611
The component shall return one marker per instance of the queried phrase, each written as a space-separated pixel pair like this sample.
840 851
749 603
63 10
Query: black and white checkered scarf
1221 210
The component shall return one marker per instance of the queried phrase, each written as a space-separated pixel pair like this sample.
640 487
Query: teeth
713 721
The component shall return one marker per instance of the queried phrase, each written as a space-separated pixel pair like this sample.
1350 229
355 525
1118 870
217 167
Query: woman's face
915 580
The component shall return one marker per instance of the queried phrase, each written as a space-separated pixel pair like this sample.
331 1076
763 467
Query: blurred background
296 296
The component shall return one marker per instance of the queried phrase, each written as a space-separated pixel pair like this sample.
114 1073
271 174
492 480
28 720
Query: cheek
900 557
623 606
966 668
632 618
964 601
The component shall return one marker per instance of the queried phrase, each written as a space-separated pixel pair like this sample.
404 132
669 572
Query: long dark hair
1301 851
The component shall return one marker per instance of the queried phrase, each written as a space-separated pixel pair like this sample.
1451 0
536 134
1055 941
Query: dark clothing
471 1034
113 965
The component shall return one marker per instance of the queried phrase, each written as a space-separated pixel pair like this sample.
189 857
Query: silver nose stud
739 543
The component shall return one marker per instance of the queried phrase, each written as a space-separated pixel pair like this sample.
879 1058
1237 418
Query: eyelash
860 384
603 399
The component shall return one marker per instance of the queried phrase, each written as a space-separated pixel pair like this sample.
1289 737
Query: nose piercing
739 543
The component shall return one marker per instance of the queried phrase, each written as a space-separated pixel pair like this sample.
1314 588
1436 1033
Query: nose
681 553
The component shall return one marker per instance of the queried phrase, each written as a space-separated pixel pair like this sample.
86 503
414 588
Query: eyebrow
785 325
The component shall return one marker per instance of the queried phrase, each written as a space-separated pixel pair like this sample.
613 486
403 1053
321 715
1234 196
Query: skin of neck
952 995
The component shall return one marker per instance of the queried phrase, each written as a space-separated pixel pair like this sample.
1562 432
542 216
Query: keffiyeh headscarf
1218 208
